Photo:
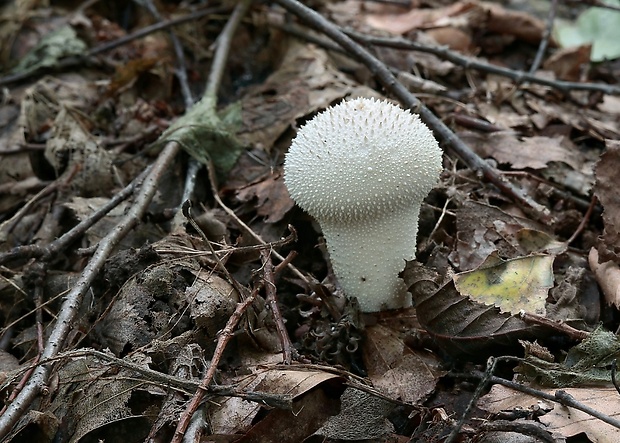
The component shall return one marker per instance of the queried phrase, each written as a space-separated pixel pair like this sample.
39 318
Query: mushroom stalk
362 169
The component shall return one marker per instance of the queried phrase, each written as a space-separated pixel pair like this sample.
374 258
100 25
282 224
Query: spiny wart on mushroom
362 169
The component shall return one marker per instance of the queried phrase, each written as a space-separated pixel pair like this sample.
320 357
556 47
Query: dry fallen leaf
397 370
520 284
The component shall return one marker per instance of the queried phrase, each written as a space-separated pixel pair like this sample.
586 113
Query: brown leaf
397 370
273 200
461 13
568 63
305 82
524 152
518 24
311 408
608 277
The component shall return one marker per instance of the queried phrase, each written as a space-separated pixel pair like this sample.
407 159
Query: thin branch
444 53
270 290
51 250
222 341
482 385
308 280
542 48
558 397
181 69
535 430
168 381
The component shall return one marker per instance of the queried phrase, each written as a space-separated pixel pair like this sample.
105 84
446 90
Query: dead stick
223 339
272 302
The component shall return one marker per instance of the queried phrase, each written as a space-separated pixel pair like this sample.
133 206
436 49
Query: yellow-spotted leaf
512 285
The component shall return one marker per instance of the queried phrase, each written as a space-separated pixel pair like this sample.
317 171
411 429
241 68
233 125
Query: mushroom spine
361 169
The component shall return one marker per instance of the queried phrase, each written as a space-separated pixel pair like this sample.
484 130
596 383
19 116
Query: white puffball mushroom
361 169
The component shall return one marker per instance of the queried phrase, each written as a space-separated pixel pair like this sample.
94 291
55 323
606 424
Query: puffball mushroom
361 169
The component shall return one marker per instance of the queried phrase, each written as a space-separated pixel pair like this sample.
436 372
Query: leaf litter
167 304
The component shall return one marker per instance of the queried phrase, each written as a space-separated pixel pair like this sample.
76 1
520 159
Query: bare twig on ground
224 337
383 74
530 429
444 53
542 48
288 351
584 221
193 166
482 385
210 99
169 381
181 69
558 326
307 279
519 77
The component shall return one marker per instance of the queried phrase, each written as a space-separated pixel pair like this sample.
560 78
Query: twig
181 69
564 398
70 307
559 326
542 48
484 381
270 290
444 53
415 82
193 166
388 80
170 381
210 99
219 263
308 280
222 341
223 44
584 220
530 429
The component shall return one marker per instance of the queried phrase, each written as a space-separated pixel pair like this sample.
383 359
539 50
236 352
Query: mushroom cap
360 159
